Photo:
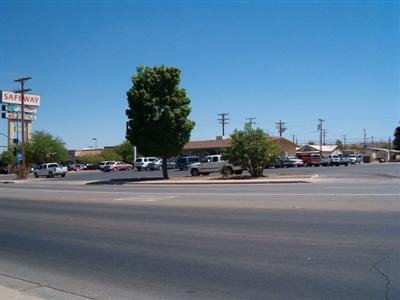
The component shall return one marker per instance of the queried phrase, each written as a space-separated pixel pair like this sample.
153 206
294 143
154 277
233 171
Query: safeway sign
16 98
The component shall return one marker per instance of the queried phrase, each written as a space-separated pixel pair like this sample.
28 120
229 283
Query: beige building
208 147
326 149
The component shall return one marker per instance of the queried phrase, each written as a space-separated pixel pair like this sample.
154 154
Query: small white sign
17 116
17 108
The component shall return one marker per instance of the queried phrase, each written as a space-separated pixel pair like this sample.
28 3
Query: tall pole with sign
23 174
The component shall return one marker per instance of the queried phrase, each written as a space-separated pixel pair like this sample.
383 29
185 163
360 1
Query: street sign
17 108
16 98
18 116
19 156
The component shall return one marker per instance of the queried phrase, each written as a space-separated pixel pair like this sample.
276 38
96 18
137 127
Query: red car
75 167
118 166
310 159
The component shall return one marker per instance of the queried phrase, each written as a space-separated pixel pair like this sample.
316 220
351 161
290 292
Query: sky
289 61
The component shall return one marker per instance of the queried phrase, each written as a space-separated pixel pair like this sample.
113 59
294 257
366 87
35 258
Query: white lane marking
145 198
210 194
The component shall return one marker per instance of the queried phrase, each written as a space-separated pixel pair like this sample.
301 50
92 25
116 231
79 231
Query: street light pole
95 143
22 173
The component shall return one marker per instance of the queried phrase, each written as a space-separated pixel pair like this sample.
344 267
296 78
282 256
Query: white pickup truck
50 170
213 163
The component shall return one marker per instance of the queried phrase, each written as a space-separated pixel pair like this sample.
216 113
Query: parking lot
391 170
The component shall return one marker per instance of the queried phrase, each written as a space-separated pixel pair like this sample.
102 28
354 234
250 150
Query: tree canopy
125 150
252 149
7 158
396 140
158 112
43 147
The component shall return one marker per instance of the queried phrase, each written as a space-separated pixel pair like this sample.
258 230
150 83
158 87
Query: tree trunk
164 168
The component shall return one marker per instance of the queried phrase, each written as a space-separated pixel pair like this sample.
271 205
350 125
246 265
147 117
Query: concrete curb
301 178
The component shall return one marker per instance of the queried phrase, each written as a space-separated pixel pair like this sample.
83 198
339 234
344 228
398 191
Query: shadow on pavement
121 181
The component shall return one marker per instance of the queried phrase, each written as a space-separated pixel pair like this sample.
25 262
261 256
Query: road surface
331 239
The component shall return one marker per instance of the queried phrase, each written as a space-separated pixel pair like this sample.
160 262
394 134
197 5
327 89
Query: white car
356 159
141 163
289 161
326 161
105 163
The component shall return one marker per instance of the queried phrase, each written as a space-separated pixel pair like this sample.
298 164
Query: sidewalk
11 294
17 289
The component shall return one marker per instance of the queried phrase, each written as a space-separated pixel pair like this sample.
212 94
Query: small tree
43 147
91 159
396 140
340 144
111 155
125 150
252 149
158 113
7 158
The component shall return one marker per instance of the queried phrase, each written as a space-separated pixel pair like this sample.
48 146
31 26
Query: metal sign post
23 172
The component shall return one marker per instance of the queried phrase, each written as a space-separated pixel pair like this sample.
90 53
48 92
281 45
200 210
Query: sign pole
23 173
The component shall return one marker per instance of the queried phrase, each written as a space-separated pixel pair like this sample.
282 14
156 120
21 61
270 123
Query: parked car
340 159
326 161
345 159
141 163
3 170
356 159
183 162
335 160
310 159
75 167
213 163
171 165
50 170
289 161
103 164
117 166
154 165
157 165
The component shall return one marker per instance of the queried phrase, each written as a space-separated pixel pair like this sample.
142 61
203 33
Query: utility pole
223 121
23 174
320 135
344 142
324 131
281 127
365 138
251 122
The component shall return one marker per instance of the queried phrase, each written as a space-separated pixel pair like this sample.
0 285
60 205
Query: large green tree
396 140
44 147
158 112
252 150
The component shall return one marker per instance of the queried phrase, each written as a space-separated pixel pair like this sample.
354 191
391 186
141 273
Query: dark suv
183 162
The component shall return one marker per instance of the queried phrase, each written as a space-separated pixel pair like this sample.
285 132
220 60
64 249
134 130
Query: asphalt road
336 238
